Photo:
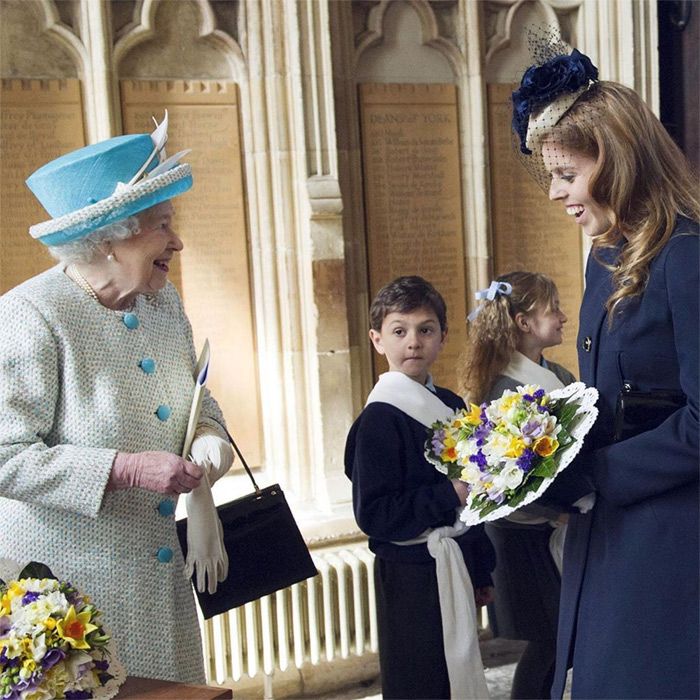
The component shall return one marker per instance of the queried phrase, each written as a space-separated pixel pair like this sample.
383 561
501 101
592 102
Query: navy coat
629 608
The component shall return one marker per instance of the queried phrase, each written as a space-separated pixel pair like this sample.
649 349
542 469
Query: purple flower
52 657
541 85
437 442
482 432
78 694
479 459
539 394
532 429
5 627
102 665
525 461
29 597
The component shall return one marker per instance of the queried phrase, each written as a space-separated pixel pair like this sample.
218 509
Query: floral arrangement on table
509 451
52 641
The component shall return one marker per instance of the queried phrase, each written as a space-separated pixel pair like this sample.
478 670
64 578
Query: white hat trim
550 116
123 195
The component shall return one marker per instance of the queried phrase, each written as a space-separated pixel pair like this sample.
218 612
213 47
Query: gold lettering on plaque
39 121
529 231
413 197
212 274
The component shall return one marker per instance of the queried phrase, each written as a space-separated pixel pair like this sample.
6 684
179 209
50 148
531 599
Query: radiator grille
330 616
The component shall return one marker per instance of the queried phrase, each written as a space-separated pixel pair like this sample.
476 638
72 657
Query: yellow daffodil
449 454
474 415
74 627
545 446
516 446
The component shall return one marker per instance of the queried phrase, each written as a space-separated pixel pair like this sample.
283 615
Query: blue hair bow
489 294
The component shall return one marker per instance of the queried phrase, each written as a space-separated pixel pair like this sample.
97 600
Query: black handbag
266 551
639 411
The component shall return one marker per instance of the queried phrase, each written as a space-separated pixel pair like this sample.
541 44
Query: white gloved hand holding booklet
206 554
211 452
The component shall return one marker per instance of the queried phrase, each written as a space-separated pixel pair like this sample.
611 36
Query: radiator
328 617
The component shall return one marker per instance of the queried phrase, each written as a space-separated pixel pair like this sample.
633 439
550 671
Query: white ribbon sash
455 591
406 394
524 371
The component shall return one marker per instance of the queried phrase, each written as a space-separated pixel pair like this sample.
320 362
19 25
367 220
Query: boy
427 627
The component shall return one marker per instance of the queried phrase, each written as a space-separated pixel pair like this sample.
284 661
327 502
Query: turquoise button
164 554
166 507
131 321
148 365
163 412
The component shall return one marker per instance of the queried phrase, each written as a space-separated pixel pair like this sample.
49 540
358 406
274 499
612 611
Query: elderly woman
97 363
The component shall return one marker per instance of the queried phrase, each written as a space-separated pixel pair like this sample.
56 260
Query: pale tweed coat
72 394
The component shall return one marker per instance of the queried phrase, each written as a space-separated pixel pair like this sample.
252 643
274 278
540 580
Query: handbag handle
242 458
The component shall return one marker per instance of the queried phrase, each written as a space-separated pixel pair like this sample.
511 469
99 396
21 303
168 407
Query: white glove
211 453
205 540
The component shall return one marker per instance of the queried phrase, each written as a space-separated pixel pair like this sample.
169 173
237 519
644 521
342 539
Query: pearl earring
110 257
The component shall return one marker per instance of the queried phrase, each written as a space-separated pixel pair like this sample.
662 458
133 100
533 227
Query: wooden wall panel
39 121
413 201
529 231
213 273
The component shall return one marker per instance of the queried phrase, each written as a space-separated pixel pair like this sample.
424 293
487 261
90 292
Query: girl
505 345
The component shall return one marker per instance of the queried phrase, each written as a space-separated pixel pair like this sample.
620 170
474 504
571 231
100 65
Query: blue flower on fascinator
542 84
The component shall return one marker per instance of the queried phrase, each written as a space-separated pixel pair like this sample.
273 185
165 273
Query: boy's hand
484 596
461 490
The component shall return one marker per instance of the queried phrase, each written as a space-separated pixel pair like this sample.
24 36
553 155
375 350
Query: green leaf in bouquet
454 470
567 413
532 485
487 506
36 569
547 468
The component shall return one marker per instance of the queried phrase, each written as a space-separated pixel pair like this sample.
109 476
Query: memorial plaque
413 199
39 121
212 274
530 232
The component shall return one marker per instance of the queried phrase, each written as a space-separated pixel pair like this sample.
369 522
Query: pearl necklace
83 283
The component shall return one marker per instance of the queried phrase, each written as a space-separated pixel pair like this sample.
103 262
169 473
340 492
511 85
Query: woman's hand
461 489
211 452
162 472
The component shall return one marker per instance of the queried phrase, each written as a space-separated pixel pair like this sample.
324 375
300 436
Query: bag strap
242 458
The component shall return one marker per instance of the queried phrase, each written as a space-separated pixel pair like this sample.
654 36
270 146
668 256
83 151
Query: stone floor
499 656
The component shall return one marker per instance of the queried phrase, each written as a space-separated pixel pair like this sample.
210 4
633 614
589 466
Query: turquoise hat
106 182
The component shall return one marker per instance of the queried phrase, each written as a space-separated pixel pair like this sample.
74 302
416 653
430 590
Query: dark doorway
679 77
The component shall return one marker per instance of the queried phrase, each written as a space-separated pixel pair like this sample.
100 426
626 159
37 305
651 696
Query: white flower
510 477
39 647
74 661
471 474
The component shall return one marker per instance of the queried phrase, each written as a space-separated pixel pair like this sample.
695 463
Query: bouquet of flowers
52 642
509 451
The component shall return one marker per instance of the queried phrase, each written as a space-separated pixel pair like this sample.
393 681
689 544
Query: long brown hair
641 177
493 334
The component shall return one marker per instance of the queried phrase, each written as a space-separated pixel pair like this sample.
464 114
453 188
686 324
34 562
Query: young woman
629 607
506 340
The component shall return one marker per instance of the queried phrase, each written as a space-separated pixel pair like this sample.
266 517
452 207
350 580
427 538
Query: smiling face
546 326
410 342
570 177
144 259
